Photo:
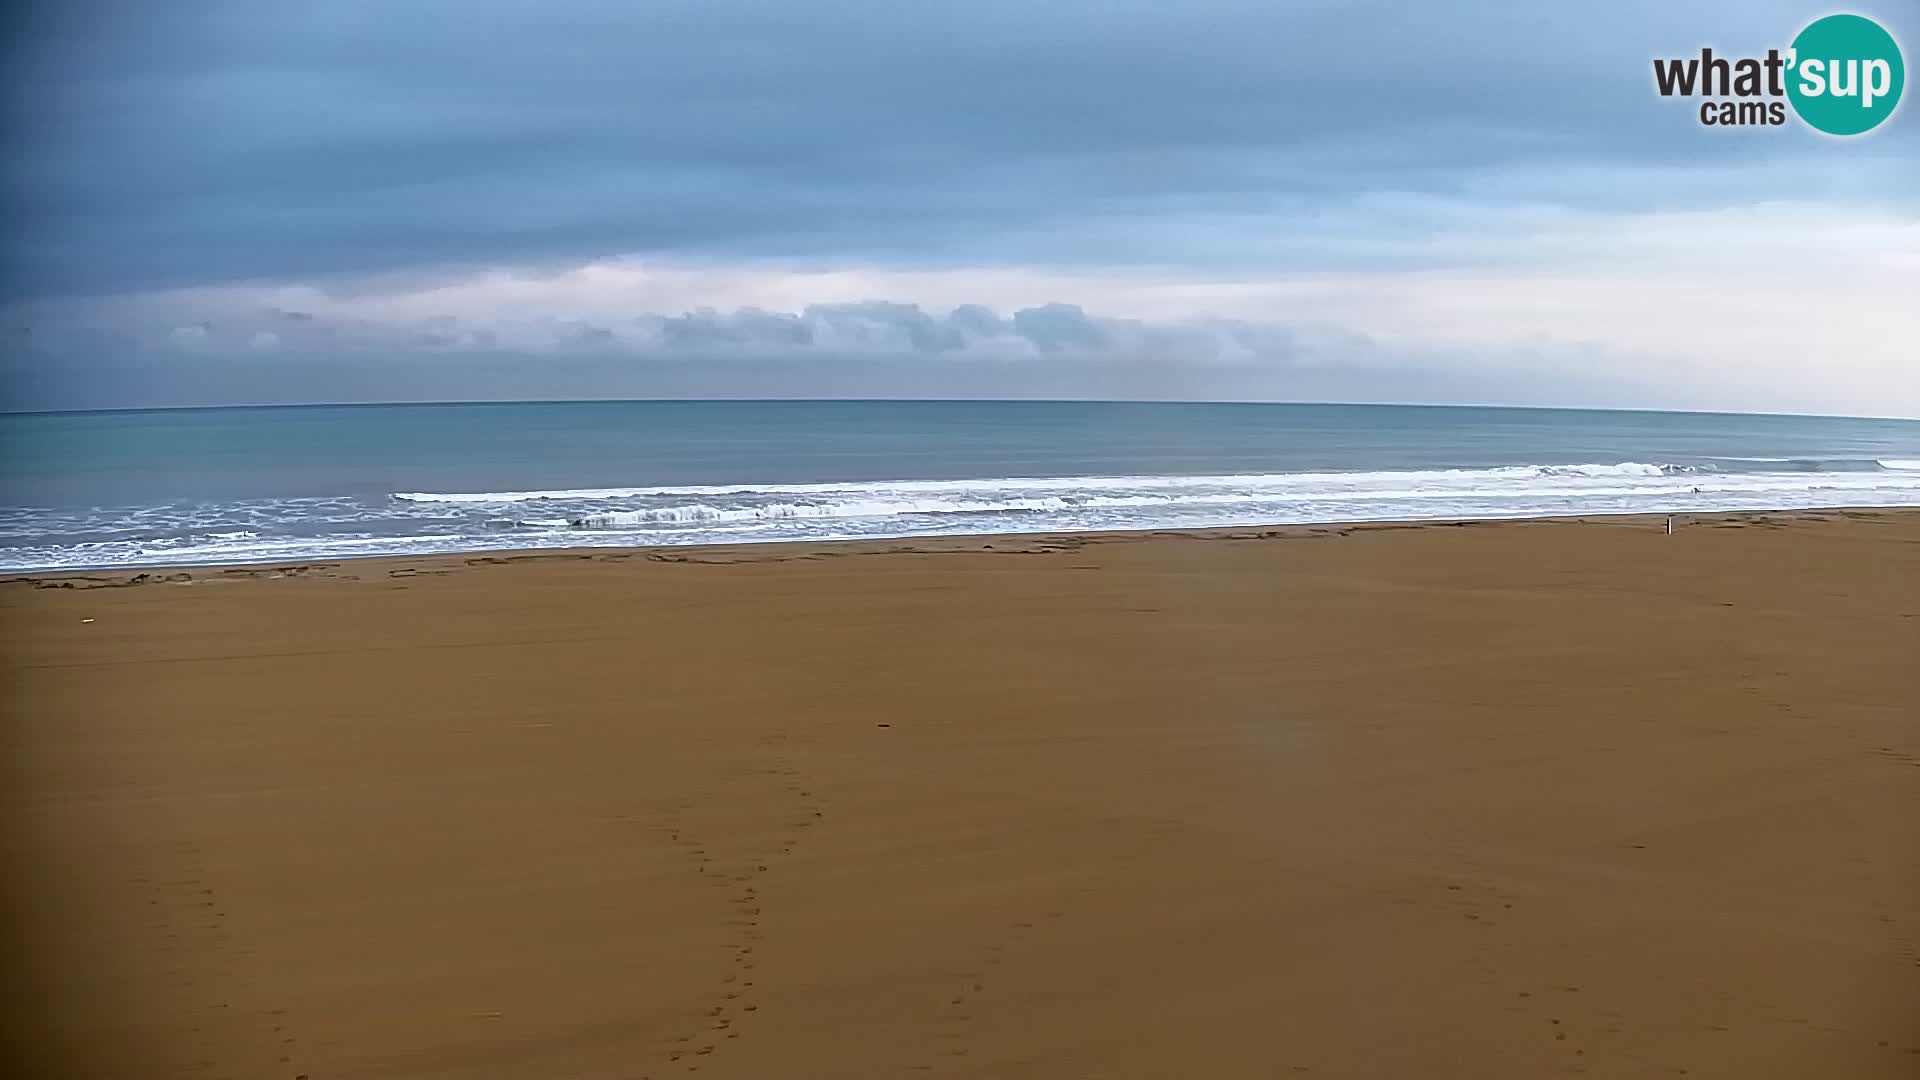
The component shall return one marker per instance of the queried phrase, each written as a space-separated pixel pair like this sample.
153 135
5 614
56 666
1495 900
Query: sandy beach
1517 799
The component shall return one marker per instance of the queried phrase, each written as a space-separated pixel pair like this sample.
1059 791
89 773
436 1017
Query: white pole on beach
1669 526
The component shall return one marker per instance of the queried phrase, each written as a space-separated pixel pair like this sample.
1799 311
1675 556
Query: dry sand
1503 800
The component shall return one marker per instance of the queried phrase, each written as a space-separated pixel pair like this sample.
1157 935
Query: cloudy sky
222 201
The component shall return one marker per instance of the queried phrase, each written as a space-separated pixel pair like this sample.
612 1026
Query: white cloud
1773 307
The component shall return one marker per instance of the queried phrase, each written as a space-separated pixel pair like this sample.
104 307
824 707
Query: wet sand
1518 799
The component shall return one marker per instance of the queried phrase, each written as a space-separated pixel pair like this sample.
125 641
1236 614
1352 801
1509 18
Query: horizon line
932 401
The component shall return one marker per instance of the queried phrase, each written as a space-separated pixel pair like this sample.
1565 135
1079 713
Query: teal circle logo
1846 75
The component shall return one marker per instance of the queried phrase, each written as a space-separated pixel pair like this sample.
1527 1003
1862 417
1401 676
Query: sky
1484 201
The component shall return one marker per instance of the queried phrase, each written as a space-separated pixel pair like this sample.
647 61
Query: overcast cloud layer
224 202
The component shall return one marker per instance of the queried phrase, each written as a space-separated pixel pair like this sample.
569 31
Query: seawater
190 487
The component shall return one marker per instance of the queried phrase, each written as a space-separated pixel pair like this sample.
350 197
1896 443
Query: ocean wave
1412 500
697 513
1802 464
176 541
1054 483
419 522
1077 497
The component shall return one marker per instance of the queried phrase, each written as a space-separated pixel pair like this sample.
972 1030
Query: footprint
963 1001
739 873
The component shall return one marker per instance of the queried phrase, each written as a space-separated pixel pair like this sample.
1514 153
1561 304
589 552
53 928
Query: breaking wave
1063 483
1333 495
417 522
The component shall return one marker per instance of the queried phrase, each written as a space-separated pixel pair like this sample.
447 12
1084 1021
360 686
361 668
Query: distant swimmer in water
1696 491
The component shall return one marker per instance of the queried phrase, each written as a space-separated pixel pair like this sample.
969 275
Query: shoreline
941 541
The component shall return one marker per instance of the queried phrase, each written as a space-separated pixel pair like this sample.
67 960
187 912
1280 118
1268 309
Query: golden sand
1519 800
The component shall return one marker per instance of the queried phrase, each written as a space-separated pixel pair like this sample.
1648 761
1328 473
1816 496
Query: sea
245 485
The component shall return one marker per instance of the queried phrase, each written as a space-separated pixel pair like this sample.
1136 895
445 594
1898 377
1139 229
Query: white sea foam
1075 500
1058 483
694 513
425 522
